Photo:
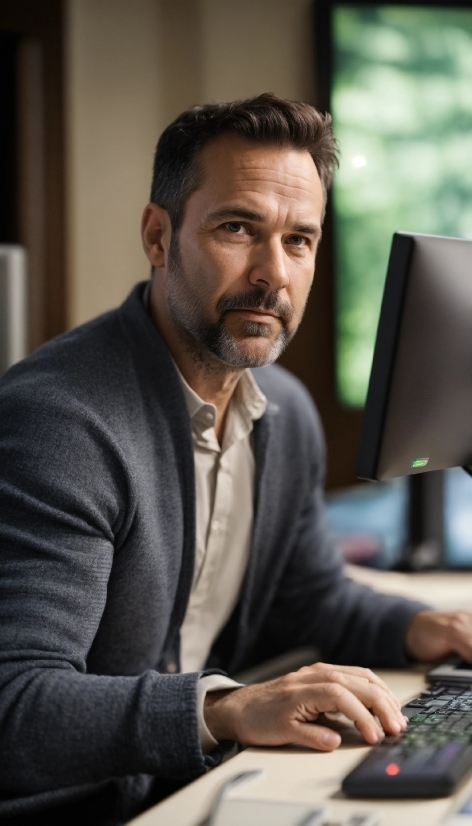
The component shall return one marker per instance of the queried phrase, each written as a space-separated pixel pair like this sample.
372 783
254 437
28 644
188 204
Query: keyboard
428 759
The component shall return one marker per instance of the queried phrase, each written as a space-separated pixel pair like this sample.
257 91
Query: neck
209 377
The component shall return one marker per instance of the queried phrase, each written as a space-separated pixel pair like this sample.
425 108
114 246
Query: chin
249 354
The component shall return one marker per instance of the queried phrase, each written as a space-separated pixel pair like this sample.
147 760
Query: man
161 505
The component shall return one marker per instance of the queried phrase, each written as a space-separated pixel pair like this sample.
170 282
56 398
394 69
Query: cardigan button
171 668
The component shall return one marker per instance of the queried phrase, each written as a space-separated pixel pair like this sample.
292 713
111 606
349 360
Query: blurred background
86 87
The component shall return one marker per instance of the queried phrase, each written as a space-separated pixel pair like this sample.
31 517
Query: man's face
240 270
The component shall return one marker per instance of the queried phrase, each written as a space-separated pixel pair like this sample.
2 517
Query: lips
259 303
260 313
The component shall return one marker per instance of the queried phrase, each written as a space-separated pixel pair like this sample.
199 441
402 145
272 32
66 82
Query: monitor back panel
419 407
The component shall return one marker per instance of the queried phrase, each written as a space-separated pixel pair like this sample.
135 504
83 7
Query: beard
188 307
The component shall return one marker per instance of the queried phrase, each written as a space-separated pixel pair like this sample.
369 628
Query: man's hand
434 634
284 711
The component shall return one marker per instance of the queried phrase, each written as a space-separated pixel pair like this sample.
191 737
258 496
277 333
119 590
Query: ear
155 233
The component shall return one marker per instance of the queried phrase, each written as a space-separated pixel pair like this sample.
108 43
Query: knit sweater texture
97 537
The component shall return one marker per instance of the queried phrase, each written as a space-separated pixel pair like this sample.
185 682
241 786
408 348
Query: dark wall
32 173
8 139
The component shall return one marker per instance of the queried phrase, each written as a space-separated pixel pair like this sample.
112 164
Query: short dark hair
265 119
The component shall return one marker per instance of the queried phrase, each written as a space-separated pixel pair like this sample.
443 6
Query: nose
269 268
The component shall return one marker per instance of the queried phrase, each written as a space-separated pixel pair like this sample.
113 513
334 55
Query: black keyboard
430 757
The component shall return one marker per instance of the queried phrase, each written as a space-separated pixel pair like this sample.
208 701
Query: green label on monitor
419 462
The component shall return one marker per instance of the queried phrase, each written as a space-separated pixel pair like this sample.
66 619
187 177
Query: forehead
232 166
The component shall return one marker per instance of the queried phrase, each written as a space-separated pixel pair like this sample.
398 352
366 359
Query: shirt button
216 525
171 668
209 416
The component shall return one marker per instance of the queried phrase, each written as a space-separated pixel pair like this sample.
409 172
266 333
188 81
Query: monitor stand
424 548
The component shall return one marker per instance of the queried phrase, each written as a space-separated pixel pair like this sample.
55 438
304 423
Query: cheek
229 254
225 264
300 285
198 270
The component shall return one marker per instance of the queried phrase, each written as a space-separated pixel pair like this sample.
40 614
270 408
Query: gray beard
214 338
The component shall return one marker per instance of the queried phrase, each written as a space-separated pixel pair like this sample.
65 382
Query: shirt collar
248 397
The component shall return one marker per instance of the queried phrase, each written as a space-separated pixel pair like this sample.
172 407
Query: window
401 99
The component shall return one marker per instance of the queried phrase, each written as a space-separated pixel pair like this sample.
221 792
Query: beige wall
253 46
113 109
133 65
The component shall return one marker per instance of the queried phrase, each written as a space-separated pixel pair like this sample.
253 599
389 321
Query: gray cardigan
97 532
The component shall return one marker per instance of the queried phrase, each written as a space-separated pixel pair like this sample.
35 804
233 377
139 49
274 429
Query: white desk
293 773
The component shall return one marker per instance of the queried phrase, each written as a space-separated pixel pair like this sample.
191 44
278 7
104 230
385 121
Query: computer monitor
418 414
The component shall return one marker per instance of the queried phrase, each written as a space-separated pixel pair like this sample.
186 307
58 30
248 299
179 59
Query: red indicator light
392 769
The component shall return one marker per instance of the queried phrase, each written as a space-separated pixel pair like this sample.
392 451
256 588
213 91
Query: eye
235 227
297 240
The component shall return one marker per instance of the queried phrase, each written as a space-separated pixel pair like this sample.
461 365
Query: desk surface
293 773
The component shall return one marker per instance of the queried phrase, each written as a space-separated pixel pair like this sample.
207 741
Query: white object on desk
239 812
13 305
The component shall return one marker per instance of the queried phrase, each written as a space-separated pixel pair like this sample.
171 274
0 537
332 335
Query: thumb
316 737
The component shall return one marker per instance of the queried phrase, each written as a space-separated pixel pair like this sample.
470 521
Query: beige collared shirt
225 479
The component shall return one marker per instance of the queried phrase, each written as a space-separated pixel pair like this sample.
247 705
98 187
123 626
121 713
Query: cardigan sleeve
317 605
314 603
62 501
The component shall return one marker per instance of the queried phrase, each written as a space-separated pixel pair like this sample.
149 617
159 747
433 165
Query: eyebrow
249 215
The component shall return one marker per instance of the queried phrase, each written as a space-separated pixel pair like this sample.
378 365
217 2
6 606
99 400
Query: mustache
257 299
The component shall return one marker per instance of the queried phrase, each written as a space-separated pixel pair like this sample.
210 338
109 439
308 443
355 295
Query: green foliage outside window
402 110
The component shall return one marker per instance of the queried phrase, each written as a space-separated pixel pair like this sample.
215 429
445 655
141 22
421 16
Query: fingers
434 634
461 633
373 695
319 671
375 698
316 737
334 697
